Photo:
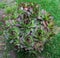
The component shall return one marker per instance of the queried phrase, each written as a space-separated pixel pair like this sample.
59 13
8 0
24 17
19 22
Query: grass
52 49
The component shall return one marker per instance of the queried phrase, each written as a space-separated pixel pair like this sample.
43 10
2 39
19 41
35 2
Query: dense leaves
27 27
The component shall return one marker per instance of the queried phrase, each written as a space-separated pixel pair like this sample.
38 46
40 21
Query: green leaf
7 24
8 10
1 32
1 23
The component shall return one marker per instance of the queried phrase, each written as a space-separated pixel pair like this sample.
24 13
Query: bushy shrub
27 27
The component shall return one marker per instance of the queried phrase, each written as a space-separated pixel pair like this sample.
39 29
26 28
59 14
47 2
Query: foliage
52 6
27 27
2 5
